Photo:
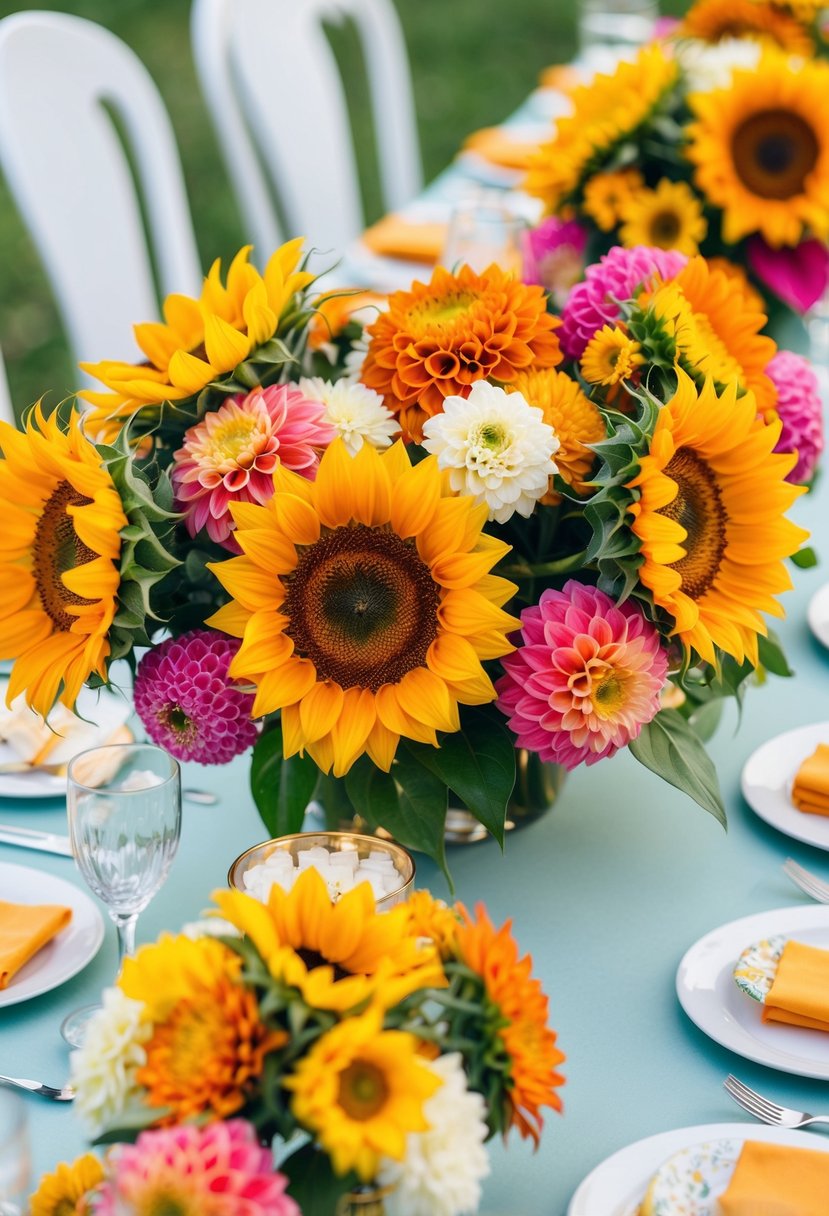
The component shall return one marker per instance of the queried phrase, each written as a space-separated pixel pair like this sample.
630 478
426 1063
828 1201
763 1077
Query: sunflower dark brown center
363 1090
57 549
698 508
665 228
362 607
774 152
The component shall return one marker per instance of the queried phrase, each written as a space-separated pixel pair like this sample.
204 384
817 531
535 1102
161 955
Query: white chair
61 81
273 87
6 409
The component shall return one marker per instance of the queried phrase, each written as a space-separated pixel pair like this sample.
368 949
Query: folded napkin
25 929
560 76
810 792
494 144
396 237
799 994
774 1180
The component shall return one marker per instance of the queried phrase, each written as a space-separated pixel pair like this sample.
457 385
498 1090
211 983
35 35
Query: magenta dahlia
800 409
586 678
616 276
216 1170
230 456
188 706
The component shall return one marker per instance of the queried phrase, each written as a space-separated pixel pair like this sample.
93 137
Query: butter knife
28 838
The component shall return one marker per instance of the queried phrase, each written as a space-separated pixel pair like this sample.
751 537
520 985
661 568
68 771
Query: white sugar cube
347 858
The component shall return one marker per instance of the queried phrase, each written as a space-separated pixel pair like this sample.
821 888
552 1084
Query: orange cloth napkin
559 76
799 994
810 792
25 929
775 1180
395 237
496 146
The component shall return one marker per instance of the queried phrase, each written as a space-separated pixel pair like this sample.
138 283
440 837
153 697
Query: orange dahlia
440 337
572 415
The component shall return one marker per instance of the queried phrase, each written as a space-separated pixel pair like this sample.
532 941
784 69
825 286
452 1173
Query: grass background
472 61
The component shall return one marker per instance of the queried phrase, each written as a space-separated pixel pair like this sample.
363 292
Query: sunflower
360 1090
440 337
761 150
433 919
611 356
338 955
574 418
713 20
63 1192
59 555
606 193
668 217
717 333
739 275
519 1020
710 519
605 112
200 340
365 605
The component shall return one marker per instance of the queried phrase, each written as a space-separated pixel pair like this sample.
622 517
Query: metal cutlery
65 1094
767 1111
30 838
807 881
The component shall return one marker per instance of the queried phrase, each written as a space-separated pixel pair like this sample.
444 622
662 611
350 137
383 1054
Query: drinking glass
610 30
124 809
15 1154
482 232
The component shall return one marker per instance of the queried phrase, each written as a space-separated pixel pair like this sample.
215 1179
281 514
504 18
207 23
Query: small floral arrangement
379 1049
713 141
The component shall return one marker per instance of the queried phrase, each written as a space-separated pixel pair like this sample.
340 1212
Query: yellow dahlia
606 193
668 217
713 20
611 356
365 605
338 955
59 555
360 1090
64 1192
433 919
738 274
710 519
439 338
606 111
716 330
200 339
574 418
761 150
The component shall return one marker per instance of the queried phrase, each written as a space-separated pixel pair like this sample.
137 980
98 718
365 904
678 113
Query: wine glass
124 809
14 1154
483 231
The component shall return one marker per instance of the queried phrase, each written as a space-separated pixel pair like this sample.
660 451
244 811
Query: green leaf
805 558
772 656
281 788
313 1183
672 749
706 718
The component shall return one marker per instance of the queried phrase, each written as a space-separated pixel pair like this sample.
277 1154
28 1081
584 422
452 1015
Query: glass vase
537 784
364 1201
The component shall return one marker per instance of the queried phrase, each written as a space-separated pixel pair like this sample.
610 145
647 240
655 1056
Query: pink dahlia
586 679
592 303
183 697
230 456
217 1170
554 256
800 409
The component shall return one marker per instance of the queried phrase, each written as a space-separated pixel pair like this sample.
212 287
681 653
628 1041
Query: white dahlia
103 1069
441 1172
497 448
357 413
708 67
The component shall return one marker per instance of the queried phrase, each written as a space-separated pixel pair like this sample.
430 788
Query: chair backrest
267 67
69 173
6 409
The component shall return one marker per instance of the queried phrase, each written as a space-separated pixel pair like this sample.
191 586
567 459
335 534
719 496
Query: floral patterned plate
757 966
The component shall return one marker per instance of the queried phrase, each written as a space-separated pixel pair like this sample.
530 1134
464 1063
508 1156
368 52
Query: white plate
818 614
618 1184
708 994
767 780
66 954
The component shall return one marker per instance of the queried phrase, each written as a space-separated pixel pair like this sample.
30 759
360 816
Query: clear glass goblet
14 1154
483 230
124 808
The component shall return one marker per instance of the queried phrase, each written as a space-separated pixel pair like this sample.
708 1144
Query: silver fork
767 1111
65 1094
807 881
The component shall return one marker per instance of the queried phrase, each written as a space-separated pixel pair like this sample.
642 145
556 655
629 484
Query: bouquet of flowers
486 527
713 141
381 1050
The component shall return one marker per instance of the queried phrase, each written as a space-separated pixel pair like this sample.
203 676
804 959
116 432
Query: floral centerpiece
382 1050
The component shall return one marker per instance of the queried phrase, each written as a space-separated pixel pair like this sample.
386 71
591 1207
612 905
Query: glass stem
126 935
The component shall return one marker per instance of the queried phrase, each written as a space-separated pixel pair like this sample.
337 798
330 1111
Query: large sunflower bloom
59 552
574 418
667 217
710 519
605 112
761 150
713 20
338 955
200 339
439 338
365 605
64 1192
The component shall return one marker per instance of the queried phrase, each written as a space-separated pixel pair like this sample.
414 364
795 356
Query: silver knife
28 838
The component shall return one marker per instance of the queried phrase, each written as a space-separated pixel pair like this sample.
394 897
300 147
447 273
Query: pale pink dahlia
586 678
592 303
800 409
217 1170
230 456
188 706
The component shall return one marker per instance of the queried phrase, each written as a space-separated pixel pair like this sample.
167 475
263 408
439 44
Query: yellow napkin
799 994
810 792
496 146
395 237
774 1180
25 929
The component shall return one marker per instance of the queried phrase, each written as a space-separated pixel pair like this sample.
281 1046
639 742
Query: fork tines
754 1103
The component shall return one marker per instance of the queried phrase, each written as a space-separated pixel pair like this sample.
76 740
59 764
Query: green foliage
281 788
670 747
313 1183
